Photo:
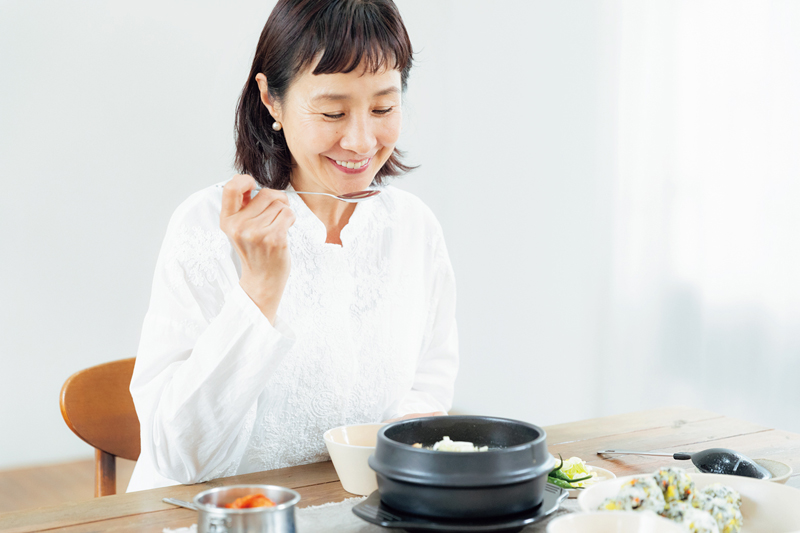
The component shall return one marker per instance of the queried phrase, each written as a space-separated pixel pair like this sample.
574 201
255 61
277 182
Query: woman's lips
351 167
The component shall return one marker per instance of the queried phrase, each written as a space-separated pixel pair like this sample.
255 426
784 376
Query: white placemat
339 518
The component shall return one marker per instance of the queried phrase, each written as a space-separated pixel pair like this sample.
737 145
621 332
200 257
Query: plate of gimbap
702 503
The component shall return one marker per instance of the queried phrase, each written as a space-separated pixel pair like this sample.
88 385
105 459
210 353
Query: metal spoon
350 197
711 461
179 503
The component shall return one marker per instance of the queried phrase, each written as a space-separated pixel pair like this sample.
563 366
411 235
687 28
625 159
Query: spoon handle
180 503
678 456
258 188
321 193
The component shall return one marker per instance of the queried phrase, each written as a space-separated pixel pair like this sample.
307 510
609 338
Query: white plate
618 522
766 507
602 475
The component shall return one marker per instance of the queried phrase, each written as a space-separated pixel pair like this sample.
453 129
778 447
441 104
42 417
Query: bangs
333 36
358 33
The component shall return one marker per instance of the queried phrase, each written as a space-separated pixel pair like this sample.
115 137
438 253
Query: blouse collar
313 230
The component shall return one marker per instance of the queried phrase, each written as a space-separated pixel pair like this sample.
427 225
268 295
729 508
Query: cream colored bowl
616 522
766 507
781 472
349 448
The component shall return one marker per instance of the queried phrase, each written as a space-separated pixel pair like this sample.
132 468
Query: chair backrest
97 406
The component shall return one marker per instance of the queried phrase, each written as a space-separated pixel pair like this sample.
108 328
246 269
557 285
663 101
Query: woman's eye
385 111
333 115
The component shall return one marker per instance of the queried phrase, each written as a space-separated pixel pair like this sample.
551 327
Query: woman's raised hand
258 228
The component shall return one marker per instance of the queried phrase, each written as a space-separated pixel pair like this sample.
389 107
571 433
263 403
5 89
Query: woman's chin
353 183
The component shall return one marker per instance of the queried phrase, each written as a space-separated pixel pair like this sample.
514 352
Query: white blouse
364 332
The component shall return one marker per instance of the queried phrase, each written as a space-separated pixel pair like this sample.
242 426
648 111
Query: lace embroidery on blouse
196 255
350 348
337 381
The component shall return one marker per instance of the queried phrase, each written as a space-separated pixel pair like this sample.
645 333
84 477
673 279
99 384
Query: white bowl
616 522
766 507
349 448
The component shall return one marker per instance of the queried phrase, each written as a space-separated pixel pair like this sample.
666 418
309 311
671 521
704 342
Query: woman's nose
358 136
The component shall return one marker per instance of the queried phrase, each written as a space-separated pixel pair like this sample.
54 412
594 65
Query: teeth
350 164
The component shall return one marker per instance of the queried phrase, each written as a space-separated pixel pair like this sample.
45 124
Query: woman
276 316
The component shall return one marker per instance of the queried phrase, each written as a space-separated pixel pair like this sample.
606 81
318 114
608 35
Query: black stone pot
508 478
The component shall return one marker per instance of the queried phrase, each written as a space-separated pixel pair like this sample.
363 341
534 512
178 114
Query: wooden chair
97 406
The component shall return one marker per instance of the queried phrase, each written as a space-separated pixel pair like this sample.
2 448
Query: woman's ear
266 99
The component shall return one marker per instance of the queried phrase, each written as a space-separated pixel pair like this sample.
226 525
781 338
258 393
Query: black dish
508 478
375 512
725 461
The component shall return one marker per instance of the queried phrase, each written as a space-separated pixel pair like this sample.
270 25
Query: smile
351 167
353 164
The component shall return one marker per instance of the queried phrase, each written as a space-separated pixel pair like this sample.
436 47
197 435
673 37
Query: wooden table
669 429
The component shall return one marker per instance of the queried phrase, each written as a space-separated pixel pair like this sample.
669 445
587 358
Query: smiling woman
275 317
340 133
353 38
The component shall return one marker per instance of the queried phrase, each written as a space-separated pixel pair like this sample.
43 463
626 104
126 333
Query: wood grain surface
669 429
54 484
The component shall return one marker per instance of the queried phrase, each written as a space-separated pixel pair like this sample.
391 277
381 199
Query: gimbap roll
694 520
639 494
675 483
718 490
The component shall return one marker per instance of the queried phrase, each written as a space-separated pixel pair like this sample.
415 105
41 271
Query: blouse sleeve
437 366
205 354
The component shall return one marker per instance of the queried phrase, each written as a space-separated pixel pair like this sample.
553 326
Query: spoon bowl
711 461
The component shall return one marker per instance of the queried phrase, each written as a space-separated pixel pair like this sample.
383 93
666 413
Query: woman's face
340 128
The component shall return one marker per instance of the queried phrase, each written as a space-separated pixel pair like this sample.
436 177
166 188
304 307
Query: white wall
505 122
112 113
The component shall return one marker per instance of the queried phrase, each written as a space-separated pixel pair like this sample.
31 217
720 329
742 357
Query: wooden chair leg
105 474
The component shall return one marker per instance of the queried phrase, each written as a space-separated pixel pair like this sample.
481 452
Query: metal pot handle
219 524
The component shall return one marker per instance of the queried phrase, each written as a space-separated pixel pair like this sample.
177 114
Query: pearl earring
277 126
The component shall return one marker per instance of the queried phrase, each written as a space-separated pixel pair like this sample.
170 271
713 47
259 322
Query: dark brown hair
347 33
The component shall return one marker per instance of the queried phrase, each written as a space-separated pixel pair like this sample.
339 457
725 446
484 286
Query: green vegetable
560 465
558 474
560 483
569 472
577 479
575 468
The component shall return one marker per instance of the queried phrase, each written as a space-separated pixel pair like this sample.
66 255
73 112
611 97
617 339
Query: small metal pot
213 518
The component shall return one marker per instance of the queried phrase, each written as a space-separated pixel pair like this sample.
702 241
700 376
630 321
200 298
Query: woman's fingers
258 229
267 216
240 210
235 193
285 218
271 221
262 201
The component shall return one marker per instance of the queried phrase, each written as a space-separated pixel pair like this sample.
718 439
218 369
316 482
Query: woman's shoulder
417 228
201 208
195 250
409 208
